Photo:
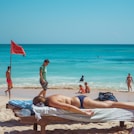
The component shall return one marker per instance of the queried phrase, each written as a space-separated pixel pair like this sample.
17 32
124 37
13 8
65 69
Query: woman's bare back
58 99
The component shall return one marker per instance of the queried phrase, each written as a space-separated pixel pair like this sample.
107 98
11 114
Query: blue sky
67 21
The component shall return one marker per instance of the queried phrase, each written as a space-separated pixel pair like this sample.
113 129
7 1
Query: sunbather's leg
89 103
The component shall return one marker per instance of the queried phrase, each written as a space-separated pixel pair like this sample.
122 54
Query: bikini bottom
81 98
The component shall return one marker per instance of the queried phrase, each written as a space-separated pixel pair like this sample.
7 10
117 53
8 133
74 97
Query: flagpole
10 58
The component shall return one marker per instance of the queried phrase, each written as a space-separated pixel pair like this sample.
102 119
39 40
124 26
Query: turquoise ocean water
104 66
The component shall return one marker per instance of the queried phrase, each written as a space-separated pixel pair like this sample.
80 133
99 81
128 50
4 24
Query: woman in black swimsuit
74 104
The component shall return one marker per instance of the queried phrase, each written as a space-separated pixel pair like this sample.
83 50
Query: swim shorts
44 84
9 82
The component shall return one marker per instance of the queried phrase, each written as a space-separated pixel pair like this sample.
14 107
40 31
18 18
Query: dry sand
9 124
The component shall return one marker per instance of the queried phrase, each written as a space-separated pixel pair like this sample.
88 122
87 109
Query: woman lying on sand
75 104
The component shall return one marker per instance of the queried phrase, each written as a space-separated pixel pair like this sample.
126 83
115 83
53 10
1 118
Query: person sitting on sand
77 103
81 90
87 88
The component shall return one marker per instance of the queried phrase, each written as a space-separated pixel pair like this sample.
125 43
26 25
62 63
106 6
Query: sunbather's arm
71 108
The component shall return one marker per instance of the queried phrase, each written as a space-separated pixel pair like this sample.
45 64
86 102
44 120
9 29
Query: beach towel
100 114
24 104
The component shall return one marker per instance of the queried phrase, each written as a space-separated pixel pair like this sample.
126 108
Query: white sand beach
9 124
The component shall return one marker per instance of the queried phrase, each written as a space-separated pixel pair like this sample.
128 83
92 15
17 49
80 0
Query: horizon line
70 43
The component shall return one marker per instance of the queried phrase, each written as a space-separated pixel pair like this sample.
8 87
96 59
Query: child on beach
81 89
87 88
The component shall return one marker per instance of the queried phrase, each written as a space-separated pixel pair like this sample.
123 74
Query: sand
9 124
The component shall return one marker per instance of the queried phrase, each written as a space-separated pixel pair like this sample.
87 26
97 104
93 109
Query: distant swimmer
82 78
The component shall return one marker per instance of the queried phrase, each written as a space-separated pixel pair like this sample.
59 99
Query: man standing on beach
43 80
129 82
9 81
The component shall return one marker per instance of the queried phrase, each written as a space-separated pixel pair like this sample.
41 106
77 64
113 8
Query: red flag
16 49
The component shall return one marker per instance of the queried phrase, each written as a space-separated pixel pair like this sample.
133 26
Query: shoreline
31 92
69 87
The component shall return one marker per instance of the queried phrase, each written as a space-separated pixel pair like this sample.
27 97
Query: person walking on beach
43 80
87 88
9 81
129 82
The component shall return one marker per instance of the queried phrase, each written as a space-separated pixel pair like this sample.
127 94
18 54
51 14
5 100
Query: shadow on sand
112 130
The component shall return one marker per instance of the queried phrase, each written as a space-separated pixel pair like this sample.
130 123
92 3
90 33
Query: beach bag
106 96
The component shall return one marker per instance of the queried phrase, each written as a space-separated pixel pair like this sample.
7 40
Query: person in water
82 78
77 103
129 81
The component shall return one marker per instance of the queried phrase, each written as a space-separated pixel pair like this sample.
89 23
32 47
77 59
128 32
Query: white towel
100 114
